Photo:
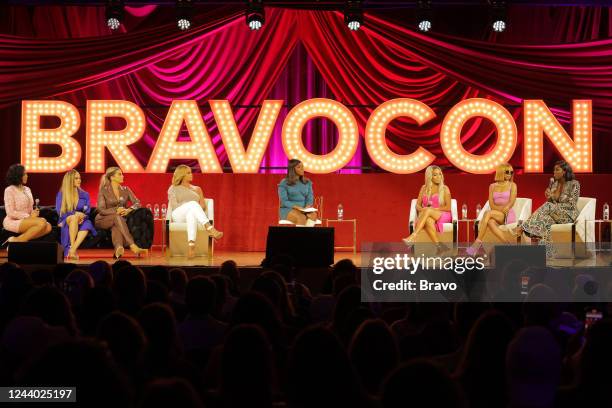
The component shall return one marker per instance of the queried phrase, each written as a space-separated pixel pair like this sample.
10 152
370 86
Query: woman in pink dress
21 217
433 206
502 195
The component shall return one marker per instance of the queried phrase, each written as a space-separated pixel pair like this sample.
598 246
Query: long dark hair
14 175
292 177
569 173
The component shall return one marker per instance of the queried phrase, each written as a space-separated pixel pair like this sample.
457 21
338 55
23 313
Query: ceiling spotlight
499 26
424 15
498 15
114 14
353 15
113 23
425 25
183 24
184 14
255 15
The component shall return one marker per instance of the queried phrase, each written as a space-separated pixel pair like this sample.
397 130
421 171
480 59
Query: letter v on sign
245 160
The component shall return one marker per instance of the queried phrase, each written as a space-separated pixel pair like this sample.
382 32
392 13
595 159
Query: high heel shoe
139 251
191 251
118 252
215 234
409 241
72 257
441 248
473 250
8 241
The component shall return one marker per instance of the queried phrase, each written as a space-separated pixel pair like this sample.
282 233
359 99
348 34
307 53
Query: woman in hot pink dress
502 195
21 217
433 206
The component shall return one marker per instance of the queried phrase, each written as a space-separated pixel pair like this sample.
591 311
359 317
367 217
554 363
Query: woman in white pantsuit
188 205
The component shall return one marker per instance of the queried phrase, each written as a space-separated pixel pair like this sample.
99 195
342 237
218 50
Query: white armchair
580 232
177 234
522 210
449 229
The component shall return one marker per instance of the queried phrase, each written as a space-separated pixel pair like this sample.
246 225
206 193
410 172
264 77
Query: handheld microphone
551 182
36 203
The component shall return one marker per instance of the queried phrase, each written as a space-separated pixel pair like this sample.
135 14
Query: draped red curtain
67 53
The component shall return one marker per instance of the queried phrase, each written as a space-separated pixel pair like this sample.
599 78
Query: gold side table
354 221
159 224
467 221
599 223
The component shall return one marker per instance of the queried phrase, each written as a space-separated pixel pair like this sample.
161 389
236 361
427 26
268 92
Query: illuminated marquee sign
538 122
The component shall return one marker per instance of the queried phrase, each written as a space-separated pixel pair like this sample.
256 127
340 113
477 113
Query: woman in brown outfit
112 210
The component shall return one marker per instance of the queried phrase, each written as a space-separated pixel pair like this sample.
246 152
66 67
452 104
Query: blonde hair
179 174
106 177
500 172
70 194
429 184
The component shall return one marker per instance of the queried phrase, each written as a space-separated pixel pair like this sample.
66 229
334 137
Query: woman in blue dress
295 195
72 205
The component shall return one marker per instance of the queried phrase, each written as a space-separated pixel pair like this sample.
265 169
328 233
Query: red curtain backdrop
67 53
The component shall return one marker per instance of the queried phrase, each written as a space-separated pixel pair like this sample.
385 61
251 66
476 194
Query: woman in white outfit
188 205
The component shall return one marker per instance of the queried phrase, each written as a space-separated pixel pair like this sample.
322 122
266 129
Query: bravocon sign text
538 122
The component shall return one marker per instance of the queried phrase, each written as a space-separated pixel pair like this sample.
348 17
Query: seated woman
502 195
72 205
187 204
295 195
113 199
433 207
560 207
21 217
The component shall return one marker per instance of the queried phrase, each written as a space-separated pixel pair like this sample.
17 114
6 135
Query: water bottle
156 212
478 208
163 213
340 212
464 211
525 285
606 212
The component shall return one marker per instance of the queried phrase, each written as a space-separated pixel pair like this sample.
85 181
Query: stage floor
253 259
156 257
